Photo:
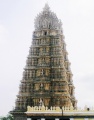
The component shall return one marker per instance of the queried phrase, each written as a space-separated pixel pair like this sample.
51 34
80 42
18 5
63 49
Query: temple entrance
50 118
65 119
36 119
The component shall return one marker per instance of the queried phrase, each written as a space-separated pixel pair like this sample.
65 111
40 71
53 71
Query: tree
8 117
3 118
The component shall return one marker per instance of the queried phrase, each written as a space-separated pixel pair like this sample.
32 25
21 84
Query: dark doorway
36 119
64 119
51 118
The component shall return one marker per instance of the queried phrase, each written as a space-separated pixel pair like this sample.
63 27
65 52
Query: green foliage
8 117
3 118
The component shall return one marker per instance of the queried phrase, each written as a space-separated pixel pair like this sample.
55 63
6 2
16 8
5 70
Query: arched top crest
47 20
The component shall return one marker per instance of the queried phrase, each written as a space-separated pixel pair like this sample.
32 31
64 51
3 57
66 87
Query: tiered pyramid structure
47 78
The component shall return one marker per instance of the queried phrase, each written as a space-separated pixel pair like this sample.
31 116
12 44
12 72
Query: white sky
16 27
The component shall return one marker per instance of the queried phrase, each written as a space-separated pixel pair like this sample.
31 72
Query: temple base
19 115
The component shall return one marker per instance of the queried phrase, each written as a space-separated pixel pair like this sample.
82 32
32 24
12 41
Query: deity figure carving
41 103
42 72
47 72
38 73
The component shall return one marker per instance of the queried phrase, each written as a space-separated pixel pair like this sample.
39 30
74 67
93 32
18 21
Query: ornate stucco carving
47 20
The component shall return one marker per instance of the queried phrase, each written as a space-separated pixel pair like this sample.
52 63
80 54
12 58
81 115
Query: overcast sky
16 27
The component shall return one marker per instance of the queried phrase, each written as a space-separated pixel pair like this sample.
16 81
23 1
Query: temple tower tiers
47 78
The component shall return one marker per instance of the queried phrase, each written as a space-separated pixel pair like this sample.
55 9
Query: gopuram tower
47 78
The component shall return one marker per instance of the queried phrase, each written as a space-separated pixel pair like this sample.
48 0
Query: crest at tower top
47 20
46 8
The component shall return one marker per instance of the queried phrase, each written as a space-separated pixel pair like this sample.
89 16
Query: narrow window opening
45 33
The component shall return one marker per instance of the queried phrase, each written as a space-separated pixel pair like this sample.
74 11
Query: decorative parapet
43 109
56 111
